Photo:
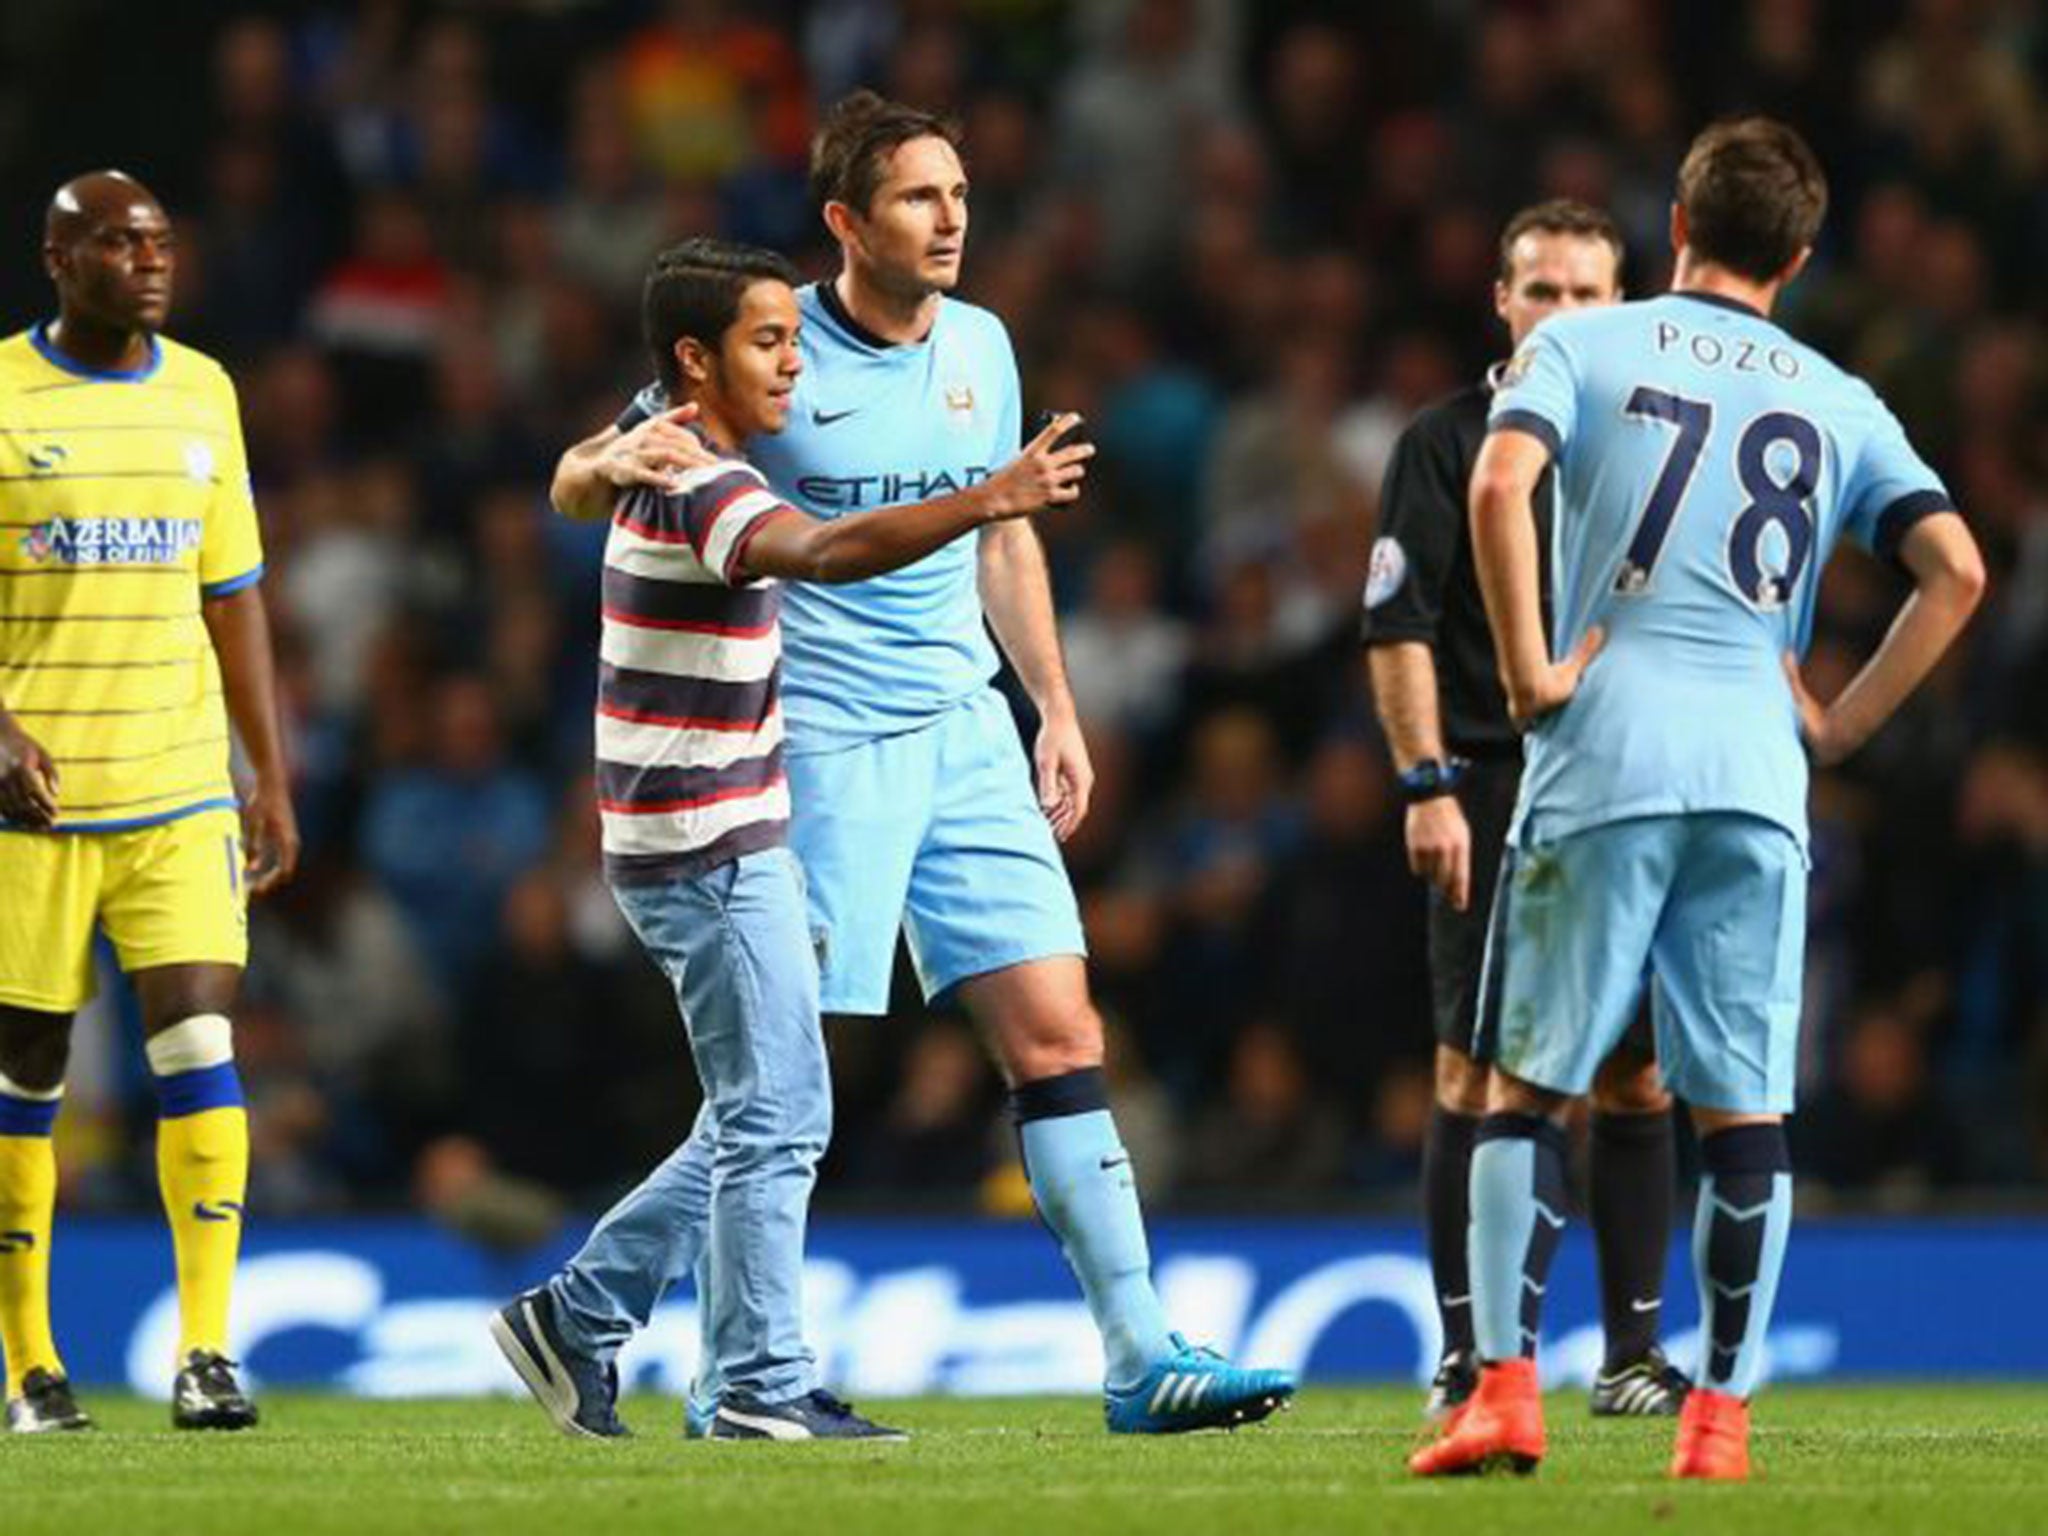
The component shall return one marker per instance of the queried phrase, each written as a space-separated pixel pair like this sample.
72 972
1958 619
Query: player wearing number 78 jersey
1706 464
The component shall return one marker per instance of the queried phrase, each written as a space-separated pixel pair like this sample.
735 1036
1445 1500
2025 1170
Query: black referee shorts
1457 940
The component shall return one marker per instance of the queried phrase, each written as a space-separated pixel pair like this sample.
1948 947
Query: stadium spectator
336 960
1218 860
448 837
1339 930
1125 653
936 1134
609 220
1883 1130
1140 97
1272 1139
709 91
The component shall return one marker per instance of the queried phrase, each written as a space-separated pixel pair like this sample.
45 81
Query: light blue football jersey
876 424
1706 464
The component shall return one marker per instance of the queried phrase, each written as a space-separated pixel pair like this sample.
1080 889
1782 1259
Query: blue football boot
580 1395
1195 1388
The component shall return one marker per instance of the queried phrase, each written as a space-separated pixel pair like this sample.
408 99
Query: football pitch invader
1706 464
694 801
913 805
131 631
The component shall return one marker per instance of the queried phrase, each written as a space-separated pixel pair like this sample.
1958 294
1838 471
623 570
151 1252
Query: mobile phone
1044 419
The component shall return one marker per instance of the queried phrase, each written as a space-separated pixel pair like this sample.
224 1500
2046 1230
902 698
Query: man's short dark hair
694 289
1753 194
850 154
1559 216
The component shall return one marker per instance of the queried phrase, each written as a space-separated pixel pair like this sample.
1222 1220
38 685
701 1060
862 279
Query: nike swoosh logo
1123 1161
219 1210
826 418
1645 1306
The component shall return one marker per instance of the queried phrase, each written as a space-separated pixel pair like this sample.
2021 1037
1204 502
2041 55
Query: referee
1459 759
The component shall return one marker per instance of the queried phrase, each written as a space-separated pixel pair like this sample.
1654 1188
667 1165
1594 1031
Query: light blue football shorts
936 832
1709 908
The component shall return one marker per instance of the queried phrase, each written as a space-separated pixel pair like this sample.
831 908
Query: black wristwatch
1431 778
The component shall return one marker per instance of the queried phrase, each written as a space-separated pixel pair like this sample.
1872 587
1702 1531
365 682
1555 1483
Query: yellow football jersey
124 502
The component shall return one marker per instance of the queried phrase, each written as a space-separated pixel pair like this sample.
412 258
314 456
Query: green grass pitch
1864 1460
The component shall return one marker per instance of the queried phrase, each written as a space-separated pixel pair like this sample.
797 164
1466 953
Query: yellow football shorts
171 894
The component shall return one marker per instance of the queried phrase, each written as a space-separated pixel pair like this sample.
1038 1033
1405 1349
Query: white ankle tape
14 1090
191 1045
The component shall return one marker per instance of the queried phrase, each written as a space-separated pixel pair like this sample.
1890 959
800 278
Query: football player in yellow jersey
131 631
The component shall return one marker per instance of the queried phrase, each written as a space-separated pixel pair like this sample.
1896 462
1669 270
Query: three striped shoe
1195 1388
1650 1387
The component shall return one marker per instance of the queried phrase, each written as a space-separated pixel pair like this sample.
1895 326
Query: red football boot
1713 1438
1499 1426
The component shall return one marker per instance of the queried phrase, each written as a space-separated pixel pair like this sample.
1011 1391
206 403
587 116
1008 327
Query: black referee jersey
1423 585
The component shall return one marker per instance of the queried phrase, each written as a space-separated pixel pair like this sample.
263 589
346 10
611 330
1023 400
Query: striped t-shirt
689 715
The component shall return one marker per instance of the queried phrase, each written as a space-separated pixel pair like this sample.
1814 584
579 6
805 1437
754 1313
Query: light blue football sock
1738 1250
1081 1178
1518 1206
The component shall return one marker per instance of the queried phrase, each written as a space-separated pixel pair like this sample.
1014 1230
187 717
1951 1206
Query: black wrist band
1431 779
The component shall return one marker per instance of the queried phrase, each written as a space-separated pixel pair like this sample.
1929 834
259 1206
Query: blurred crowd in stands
1248 240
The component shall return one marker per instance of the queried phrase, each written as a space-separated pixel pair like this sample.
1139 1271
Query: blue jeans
732 1201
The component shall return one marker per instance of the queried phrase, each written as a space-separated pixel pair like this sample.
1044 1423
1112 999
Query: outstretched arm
801 548
1948 581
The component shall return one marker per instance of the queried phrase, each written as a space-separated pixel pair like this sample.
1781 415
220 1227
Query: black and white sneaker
208 1394
1650 1387
1457 1378
45 1404
581 1396
815 1416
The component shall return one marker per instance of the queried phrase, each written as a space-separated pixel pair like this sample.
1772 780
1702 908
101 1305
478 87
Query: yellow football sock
28 1203
202 1162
